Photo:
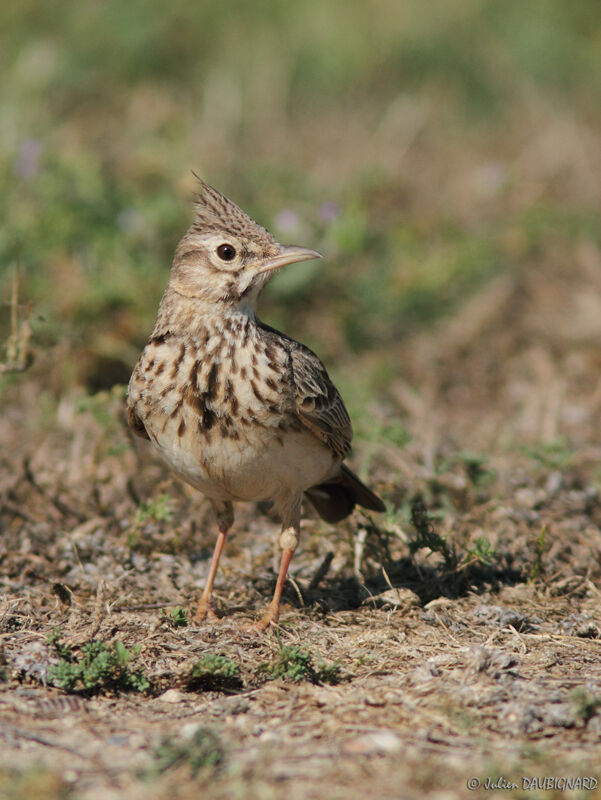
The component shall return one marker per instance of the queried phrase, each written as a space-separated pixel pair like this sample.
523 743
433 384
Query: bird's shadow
346 591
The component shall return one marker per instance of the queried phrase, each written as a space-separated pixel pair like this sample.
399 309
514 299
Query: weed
427 536
475 467
537 567
177 617
393 431
99 668
203 750
214 673
105 407
159 509
585 704
133 538
482 551
374 430
555 454
18 352
293 663
53 639
328 673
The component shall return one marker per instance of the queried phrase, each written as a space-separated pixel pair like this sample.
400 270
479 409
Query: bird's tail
335 499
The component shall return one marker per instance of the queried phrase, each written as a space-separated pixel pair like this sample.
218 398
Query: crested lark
235 408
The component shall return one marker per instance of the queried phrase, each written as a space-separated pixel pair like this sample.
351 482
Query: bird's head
225 257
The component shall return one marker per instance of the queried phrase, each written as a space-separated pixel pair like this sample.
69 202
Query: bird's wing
136 424
318 404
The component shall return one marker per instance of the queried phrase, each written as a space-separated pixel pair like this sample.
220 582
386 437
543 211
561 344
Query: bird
235 408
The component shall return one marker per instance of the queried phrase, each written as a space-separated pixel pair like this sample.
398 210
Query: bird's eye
226 252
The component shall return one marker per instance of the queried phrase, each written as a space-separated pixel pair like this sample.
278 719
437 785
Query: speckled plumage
235 408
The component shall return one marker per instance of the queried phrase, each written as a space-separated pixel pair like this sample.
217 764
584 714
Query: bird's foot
269 619
205 612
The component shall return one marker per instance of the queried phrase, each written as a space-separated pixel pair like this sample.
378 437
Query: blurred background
437 153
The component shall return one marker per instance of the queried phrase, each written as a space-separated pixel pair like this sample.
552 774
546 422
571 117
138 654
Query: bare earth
448 671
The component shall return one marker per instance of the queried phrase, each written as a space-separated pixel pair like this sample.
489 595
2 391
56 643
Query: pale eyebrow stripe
188 254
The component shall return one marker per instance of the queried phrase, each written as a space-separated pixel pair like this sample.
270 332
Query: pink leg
273 612
205 606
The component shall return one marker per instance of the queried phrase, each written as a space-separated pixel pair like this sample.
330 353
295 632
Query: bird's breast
219 408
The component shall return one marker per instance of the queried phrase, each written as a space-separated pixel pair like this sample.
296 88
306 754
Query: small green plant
159 509
53 639
537 567
377 433
99 668
396 433
555 454
18 352
475 465
427 536
293 663
177 617
203 750
104 407
482 551
328 673
585 704
214 673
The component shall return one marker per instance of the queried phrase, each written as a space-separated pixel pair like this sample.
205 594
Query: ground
475 655
444 158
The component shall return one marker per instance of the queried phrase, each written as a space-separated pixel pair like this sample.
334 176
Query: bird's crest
214 212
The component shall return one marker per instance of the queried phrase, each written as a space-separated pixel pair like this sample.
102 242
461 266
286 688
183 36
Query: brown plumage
234 407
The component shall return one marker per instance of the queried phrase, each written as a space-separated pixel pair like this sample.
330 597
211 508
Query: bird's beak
289 254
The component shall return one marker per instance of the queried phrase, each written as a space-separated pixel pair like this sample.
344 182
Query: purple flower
287 220
28 161
328 212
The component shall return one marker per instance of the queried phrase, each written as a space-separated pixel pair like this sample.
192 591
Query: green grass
259 99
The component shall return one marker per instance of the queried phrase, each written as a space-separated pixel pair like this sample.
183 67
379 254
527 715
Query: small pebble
270 737
172 696
372 743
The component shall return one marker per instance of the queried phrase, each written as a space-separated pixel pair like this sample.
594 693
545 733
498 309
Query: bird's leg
288 543
272 614
205 609
205 606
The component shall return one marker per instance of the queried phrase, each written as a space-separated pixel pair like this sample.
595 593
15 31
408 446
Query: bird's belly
251 467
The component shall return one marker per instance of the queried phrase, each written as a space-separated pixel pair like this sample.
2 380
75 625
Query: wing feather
318 404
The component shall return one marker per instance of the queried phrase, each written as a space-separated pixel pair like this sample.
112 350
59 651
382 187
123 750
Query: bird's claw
205 612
